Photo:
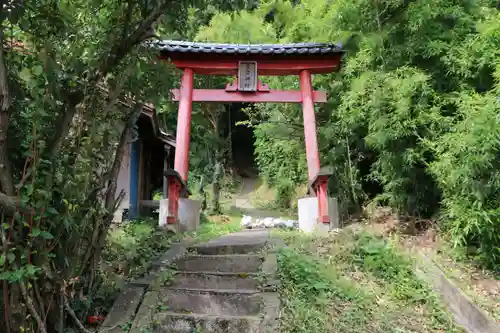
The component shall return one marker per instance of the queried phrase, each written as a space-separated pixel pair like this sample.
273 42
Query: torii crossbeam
247 63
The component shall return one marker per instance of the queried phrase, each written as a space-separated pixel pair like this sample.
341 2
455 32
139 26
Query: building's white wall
123 183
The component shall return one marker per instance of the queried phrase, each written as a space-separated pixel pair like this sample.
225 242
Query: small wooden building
150 152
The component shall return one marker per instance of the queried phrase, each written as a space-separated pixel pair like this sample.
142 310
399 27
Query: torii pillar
247 63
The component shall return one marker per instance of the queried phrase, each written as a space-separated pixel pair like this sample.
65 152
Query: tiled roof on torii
297 49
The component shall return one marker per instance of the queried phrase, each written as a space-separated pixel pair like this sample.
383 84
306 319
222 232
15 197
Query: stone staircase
223 286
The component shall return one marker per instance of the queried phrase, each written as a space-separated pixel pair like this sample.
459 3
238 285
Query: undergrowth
132 247
354 282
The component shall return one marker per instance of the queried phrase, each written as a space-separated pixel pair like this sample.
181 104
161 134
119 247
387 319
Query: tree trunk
6 181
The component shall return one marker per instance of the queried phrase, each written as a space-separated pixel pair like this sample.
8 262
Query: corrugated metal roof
171 46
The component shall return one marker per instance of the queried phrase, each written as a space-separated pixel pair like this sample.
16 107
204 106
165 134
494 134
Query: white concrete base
308 215
189 215
118 216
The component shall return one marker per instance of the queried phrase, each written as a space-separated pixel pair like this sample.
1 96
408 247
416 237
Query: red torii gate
246 62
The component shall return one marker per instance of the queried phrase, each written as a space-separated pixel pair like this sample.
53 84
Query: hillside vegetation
355 281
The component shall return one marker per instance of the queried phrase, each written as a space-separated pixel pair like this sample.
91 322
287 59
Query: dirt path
242 202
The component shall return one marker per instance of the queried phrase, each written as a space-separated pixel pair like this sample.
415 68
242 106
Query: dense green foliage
413 117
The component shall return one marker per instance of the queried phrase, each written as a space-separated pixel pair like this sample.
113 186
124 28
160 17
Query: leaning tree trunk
216 188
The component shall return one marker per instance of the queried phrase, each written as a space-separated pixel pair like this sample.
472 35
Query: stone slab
176 251
270 313
466 313
213 302
123 310
144 320
235 263
147 281
187 323
253 236
237 243
211 280
215 249
270 298
269 271
333 211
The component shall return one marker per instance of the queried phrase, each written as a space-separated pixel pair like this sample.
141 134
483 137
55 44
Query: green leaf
35 232
46 235
29 189
2 259
37 70
52 210
25 75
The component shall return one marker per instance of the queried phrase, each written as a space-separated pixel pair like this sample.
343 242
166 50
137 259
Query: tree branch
73 316
122 48
128 19
11 203
7 311
31 308
64 123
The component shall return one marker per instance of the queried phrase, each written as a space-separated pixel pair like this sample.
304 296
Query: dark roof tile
289 49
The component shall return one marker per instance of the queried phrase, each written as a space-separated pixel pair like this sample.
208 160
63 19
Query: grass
215 226
266 198
354 282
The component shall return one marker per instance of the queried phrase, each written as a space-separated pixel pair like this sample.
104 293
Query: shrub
468 171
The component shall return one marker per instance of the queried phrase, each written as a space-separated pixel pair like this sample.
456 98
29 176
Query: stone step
174 322
235 263
212 301
214 249
215 280
242 242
